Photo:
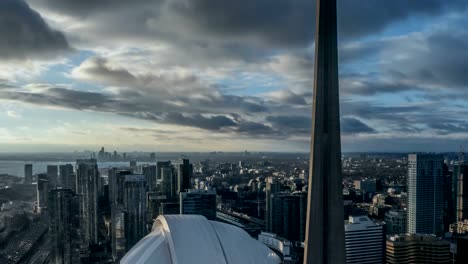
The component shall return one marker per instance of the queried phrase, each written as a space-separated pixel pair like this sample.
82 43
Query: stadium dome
183 239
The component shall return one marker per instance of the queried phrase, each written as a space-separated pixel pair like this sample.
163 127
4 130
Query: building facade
28 173
198 202
42 192
289 215
87 177
135 209
396 221
365 241
425 194
64 224
417 249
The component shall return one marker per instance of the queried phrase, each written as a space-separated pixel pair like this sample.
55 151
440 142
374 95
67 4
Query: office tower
87 177
272 187
449 201
64 226
396 222
135 209
153 202
42 192
118 231
159 166
153 156
150 173
289 215
133 164
324 242
416 248
168 183
52 175
365 241
425 194
184 175
28 173
67 178
460 188
116 179
199 202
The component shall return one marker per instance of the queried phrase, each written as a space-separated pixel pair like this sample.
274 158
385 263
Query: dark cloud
265 22
354 126
208 123
25 34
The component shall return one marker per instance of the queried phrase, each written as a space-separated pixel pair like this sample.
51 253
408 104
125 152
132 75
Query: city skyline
155 76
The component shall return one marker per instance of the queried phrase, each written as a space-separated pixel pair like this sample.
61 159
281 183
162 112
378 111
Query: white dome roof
181 239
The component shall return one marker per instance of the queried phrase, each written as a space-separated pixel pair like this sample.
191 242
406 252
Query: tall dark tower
324 243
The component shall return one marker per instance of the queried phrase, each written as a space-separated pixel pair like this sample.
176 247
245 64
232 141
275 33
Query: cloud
354 126
25 34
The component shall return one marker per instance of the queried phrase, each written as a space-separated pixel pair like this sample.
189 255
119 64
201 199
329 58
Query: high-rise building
199 202
28 173
118 231
116 185
417 248
396 221
42 192
289 215
184 175
460 188
87 177
135 209
67 178
64 226
425 194
159 166
365 241
153 203
52 175
167 185
324 242
150 173
272 187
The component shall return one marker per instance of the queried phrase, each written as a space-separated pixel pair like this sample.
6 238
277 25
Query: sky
206 75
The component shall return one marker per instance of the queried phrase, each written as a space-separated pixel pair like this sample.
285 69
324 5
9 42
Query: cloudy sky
203 75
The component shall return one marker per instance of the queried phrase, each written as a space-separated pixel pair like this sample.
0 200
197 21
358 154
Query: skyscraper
52 175
365 241
64 226
289 215
460 189
199 202
87 177
28 173
42 192
184 175
272 187
67 178
150 173
425 194
135 209
116 184
324 241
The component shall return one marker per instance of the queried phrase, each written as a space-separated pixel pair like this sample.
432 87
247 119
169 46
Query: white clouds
13 114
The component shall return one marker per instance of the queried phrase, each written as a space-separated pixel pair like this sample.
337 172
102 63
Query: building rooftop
179 239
